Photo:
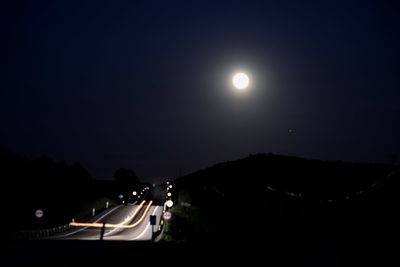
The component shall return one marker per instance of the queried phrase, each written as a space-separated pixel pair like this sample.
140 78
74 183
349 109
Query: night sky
146 84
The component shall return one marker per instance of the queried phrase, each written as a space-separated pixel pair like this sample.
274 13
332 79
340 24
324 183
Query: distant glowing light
134 193
240 81
169 194
169 203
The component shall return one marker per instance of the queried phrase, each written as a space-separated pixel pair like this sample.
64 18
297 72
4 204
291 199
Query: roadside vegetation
62 191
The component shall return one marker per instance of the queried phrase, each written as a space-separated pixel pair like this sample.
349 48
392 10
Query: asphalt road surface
123 222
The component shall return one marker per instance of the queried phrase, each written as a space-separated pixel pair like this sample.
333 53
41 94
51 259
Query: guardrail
42 233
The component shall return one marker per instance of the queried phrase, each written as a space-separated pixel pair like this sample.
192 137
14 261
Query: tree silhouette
125 179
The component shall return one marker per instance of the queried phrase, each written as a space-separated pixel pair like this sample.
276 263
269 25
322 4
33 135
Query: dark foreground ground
283 247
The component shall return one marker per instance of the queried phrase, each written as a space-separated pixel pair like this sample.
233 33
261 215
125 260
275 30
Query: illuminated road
130 222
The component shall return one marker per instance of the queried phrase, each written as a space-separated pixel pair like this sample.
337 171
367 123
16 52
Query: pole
103 229
153 219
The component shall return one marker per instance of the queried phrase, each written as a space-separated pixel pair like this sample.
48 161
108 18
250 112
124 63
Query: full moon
240 81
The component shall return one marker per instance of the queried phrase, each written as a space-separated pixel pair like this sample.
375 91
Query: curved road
130 222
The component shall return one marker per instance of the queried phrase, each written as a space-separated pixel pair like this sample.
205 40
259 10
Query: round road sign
167 216
39 213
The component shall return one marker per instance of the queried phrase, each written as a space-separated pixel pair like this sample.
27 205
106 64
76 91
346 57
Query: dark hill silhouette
292 194
313 177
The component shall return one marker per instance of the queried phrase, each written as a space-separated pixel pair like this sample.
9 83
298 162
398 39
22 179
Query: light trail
120 225
79 230
128 219
147 226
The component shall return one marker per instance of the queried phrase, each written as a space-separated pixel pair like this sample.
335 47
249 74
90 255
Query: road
123 222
